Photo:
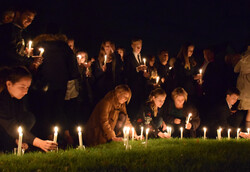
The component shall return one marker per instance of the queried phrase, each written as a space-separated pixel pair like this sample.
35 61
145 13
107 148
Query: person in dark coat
15 83
177 112
151 114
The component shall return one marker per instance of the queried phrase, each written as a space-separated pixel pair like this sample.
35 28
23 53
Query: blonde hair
120 89
102 52
179 92
155 93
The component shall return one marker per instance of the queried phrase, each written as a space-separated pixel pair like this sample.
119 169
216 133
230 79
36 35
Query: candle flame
147 130
238 130
41 50
181 128
79 56
200 71
30 43
20 130
56 129
79 129
205 129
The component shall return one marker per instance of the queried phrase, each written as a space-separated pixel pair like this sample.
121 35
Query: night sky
161 24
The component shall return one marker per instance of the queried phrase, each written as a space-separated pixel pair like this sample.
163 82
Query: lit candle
147 130
201 75
55 134
41 52
188 119
128 129
80 136
141 132
124 134
181 132
144 61
157 79
170 68
105 59
133 133
205 132
29 48
248 131
238 133
79 56
169 130
20 140
219 133
228 133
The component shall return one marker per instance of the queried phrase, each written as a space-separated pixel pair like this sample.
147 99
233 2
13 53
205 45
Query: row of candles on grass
30 49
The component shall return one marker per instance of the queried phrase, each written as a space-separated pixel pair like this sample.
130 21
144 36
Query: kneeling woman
177 111
109 117
15 83
151 114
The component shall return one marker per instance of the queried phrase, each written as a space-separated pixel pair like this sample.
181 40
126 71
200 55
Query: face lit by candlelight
136 46
120 52
190 50
164 57
179 101
159 100
107 47
123 97
24 19
19 89
71 44
83 56
232 99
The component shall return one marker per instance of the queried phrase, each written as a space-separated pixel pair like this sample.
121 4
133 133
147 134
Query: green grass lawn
160 155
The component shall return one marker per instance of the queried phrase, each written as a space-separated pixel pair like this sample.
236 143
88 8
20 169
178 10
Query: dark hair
233 90
136 39
24 7
13 75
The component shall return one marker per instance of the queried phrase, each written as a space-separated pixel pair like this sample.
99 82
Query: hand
146 74
29 52
188 126
245 135
45 145
104 67
163 135
162 80
197 77
38 61
117 139
138 137
24 145
177 121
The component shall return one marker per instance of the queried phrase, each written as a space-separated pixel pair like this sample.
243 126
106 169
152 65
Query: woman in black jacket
15 83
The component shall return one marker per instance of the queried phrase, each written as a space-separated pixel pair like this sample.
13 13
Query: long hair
183 56
123 89
155 93
102 52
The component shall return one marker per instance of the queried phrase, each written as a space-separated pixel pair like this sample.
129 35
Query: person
120 69
245 135
12 50
243 83
151 114
177 111
108 118
135 77
15 83
185 69
224 116
7 16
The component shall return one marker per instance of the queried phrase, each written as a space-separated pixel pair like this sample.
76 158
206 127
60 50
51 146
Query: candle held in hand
20 140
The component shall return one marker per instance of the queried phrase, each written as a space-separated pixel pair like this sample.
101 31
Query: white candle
128 129
124 134
219 133
147 130
55 134
181 132
20 140
170 68
238 133
29 48
228 133
188 119
105 59
201 75
144 61
41 51
133 133
80 136
157 79
248 131
205 132
141 132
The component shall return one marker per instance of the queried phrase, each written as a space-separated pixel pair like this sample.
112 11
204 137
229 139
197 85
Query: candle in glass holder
228 133
205 132
41 51
80 136
141 132
55 134
20 140
181 132
219 133
238 133
147 130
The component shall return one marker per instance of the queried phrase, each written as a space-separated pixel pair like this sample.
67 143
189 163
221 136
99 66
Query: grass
160 155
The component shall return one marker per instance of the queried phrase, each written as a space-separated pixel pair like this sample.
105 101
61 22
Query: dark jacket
13 114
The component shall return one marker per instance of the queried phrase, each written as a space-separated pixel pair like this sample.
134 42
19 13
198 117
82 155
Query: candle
128 129
169 129
124 134
157 79
80 136
219 133
55 134
228 133
144 61
105 59
79 56
170 68
238 132
41 52
248 131
205 131
20 140
188 119
141 132
29 48
133 133
147 130
181 132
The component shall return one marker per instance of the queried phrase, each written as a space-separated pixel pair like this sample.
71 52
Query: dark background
160 24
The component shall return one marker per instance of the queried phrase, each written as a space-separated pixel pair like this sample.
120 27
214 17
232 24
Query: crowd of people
66 88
